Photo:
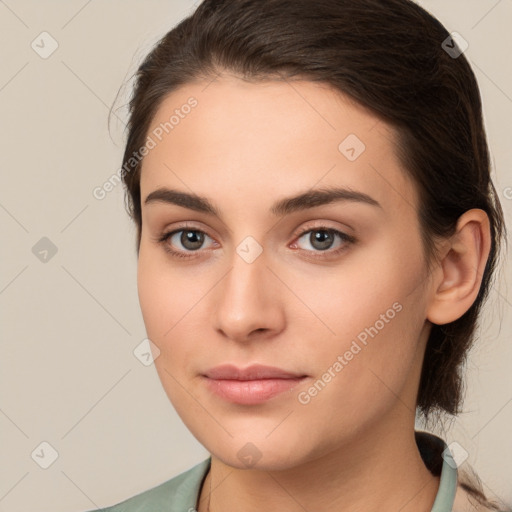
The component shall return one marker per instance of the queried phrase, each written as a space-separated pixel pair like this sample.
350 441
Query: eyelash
348 239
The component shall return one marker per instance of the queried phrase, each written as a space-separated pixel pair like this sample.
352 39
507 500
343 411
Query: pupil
324 237
192 237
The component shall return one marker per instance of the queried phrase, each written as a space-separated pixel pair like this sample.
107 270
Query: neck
380 470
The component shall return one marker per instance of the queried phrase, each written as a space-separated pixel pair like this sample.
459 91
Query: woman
317 231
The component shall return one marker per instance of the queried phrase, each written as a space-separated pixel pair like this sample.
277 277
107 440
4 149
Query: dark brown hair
388 55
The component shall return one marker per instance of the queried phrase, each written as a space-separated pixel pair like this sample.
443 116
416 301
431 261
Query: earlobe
461 268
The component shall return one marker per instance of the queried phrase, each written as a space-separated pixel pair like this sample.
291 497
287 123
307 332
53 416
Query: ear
462 265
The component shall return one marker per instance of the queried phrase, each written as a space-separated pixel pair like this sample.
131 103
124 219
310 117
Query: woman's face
269 280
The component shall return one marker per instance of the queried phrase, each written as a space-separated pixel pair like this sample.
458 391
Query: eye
190 239
322 238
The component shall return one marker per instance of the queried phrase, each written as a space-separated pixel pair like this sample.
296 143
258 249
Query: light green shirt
181 493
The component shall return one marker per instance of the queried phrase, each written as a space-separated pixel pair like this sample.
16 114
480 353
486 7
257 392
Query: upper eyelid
300 232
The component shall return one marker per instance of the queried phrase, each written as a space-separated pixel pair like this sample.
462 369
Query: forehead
271 138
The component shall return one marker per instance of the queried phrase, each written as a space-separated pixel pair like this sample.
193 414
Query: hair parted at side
385 54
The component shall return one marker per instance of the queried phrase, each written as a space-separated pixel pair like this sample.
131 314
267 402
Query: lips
254 372
252 385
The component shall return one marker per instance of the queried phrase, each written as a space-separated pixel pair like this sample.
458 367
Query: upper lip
253 372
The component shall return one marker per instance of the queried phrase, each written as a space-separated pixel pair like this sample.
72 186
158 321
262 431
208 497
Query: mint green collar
447 485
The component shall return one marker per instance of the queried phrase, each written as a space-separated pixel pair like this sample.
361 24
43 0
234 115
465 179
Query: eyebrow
303 201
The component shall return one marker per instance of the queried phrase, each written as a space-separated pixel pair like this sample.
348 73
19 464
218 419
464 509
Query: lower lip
250 392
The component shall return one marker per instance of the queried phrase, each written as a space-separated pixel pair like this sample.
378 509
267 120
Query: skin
245 146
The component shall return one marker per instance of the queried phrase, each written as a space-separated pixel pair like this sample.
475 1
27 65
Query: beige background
70 325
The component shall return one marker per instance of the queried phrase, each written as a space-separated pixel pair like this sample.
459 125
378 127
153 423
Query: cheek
164 306
164 296
161 304
170 301
368 288
152 298
372 314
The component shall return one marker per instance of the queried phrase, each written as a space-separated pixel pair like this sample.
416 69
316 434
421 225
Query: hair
388 56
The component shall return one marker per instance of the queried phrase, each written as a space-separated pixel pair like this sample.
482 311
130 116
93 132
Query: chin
272 453
254 459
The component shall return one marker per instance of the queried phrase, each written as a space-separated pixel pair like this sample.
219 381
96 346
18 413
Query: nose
248 301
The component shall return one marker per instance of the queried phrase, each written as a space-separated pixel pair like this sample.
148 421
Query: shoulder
177 494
